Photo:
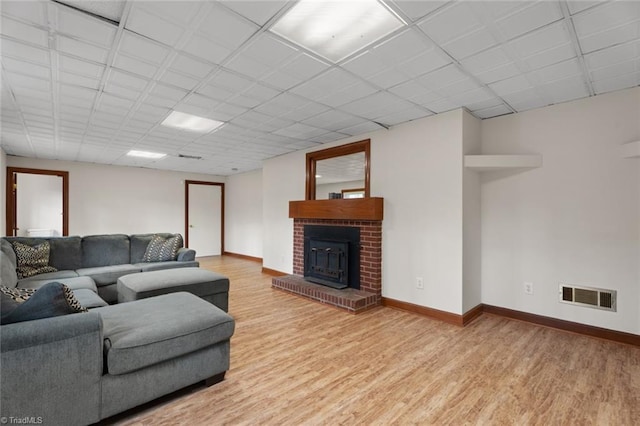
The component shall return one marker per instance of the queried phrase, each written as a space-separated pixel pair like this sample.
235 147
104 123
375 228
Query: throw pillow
50 300
162 249
32 260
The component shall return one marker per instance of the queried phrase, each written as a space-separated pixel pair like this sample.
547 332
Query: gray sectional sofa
103 258
81 368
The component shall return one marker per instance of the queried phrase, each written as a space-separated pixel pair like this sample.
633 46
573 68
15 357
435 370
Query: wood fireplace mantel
340 209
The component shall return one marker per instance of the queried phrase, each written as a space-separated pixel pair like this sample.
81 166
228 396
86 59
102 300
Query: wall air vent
598 298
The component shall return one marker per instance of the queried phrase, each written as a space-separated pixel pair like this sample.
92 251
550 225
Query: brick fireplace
370 224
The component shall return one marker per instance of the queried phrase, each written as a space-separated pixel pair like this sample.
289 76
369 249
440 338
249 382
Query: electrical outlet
528 288
419 283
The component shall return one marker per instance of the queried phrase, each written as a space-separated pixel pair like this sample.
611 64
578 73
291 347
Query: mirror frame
338 151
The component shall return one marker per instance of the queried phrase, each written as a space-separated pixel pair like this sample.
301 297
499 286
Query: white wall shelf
631 150
483 163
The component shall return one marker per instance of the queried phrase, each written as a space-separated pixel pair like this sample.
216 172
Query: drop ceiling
90 80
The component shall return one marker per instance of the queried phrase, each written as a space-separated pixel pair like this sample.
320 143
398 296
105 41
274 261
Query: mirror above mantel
340 170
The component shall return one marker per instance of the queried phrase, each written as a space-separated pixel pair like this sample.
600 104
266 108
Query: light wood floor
297 362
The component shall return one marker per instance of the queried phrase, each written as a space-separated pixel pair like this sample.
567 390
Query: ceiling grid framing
100 86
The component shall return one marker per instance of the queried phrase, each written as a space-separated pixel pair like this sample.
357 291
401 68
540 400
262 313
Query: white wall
575 220
417 168
471 223
243 214
39 203
283 180
113 199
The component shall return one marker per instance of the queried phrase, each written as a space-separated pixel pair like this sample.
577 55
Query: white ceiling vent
598 298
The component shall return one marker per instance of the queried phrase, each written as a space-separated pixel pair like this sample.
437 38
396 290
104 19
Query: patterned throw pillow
32 260
161 249
50 300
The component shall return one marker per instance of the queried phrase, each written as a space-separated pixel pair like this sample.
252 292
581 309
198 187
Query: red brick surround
370 261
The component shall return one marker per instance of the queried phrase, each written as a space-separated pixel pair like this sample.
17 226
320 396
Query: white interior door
205 219
38 205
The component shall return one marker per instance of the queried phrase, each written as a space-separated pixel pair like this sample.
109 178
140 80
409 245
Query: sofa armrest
186 255
52 368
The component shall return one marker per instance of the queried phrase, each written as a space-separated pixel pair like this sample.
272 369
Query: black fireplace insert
332 256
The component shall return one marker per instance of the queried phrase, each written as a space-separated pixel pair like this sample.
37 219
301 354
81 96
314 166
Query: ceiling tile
179 80
327 83
470 43
511 85
576 6
30 11
142 48
82 26
23 32
230 81
190 66
249 67
20 67
21 80
134 65
442 77
226 28
604 18
269 51
415 10
534 15
149 25
81 49
333 120
22 51
616 70
78 80
257 11
450 22
613 55
77 66
557 71
402 47
542 40
611 37
617 83
206 49
348 94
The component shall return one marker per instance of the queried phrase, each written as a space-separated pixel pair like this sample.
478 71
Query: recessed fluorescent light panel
146 154
336 29
193 123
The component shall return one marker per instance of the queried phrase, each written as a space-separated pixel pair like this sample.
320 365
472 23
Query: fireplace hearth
361 295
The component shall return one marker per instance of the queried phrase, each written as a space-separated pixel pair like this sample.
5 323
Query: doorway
37 200
204 217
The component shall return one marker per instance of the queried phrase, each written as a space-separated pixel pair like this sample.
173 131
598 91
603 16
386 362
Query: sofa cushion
148 331
104 275
172 264
74 283
65 253
140 242
105 250
162 249
8 275
51 276
51 300
32 260
89 299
